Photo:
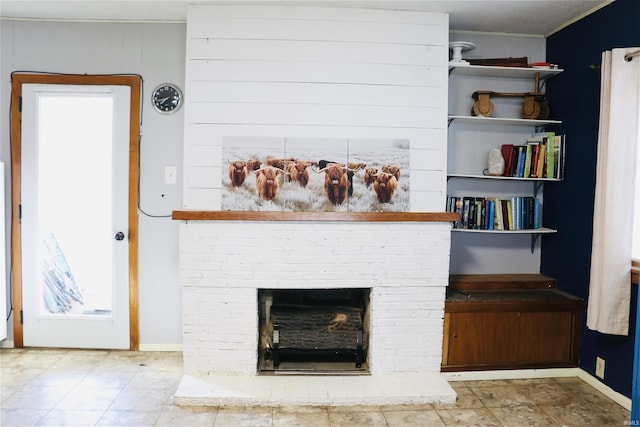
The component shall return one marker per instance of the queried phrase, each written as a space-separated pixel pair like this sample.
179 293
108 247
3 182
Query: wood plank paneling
315 72
314 29
318 115
211 135
202 198
208 91
422 180
202 176
316 14
318 73
314 51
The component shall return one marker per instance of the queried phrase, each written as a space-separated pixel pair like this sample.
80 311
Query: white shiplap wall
315 72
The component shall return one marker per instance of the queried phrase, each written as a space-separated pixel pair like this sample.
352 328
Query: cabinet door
482 339
545 337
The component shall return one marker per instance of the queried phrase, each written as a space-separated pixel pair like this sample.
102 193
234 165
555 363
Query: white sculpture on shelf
496 163
459 47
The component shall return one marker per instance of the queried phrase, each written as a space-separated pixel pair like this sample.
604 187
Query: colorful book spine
527 161
521 161
491 215
510 208
541 160
551 155
507 154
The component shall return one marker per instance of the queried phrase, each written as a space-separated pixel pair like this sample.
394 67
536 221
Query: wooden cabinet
499 322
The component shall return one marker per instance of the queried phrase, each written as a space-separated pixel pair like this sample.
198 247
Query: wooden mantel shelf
315 216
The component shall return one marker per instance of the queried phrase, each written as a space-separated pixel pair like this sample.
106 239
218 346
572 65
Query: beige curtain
610 286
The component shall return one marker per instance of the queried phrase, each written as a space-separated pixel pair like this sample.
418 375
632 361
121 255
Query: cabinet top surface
500 282
540 295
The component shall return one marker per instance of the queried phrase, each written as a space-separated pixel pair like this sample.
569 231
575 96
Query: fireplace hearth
313 331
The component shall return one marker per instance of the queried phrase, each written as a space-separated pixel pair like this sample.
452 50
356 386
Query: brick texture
223 264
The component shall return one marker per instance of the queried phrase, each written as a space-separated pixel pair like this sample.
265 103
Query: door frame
135 83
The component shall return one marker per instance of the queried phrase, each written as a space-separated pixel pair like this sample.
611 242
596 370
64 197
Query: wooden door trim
135 83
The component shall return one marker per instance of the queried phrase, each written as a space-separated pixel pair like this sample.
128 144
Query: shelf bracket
536 188
534 238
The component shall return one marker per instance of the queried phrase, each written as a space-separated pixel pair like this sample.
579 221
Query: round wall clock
166 98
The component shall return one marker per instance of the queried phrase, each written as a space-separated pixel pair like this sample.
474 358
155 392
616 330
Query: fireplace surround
227 257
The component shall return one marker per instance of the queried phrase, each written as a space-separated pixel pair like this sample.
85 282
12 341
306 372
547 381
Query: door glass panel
74 215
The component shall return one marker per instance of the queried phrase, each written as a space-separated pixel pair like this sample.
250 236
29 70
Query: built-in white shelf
505 72
480 120
541 230
535 233
513 178
538 75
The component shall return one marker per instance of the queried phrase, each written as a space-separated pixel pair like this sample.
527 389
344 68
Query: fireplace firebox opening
313 331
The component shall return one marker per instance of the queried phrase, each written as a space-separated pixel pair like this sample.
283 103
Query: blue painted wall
574 97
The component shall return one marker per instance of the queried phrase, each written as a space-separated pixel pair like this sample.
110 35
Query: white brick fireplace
224 263
315 73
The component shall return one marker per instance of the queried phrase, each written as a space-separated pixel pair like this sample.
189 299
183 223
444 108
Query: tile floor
117 388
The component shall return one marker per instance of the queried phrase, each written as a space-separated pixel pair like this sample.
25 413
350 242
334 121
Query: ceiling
534 17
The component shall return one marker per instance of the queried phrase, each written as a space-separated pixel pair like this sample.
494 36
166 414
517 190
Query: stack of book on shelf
541 157
483 213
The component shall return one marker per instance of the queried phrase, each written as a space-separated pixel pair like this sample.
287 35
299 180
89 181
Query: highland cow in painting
237 173
298 172
336 183
267 182
385 186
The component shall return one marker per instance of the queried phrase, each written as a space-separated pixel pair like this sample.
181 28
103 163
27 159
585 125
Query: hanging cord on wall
142 211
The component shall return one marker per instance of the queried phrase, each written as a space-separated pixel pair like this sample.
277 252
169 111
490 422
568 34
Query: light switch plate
170 175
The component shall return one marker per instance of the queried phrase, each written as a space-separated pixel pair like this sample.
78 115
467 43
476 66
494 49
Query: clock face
166 98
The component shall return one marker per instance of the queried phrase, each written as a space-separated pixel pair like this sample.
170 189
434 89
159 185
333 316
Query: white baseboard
510 374
160 347
594 382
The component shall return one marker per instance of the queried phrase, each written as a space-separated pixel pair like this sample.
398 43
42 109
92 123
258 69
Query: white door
74 216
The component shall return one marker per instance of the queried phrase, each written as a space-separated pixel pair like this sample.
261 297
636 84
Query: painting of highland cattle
315 174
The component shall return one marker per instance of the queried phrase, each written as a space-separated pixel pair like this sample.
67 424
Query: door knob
119 235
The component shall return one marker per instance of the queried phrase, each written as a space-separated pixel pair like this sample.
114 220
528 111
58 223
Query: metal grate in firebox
319 332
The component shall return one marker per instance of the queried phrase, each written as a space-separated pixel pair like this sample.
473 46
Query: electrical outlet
170 175
600 368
